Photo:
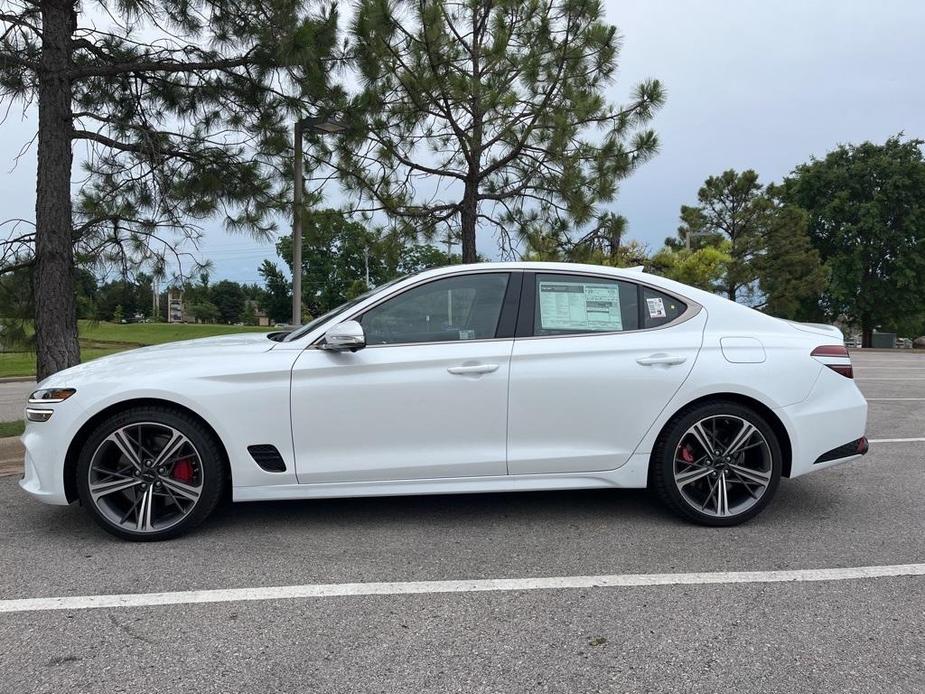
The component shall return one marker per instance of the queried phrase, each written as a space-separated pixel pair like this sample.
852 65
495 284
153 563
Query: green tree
866 207
501 107
335 253
706 267
118 314
204 312
228 298
123 294
278 302
733 207
186 106
791 276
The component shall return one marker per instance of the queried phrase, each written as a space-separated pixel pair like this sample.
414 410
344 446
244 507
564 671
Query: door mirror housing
344 336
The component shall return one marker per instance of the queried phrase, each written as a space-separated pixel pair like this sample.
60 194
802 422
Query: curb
9 468
17 379
12 453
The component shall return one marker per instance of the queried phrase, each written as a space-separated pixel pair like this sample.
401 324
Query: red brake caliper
183 471
687 455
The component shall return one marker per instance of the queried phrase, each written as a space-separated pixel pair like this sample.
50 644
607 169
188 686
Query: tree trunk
867 332
468 215
55 306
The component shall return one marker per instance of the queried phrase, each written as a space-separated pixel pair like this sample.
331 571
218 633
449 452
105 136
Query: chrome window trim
693 308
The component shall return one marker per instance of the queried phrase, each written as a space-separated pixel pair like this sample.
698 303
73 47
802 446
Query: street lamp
325 126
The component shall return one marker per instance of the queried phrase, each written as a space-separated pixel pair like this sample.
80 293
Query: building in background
253 312
175 308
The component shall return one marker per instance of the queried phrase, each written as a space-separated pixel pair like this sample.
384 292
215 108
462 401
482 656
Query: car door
426 398
596 360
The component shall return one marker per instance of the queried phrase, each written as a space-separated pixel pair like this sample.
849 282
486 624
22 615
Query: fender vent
267 457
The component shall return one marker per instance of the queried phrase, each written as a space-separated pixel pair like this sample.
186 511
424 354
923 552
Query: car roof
539 266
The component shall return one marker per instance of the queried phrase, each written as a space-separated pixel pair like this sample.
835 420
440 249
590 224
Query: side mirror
344 336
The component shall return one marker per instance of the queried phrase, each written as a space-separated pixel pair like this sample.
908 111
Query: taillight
836 357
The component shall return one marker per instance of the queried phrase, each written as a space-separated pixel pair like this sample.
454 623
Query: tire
150 473
716 490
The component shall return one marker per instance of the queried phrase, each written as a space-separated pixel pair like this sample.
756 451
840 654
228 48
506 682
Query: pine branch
11 60
168 66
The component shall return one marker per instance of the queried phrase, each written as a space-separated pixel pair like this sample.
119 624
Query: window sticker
656 307
584 306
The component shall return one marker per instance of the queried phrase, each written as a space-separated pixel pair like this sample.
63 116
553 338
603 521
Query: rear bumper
831 420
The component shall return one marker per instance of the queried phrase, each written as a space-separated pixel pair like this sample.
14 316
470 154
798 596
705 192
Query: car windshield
333 313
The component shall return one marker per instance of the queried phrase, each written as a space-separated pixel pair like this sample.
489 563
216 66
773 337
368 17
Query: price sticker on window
656 307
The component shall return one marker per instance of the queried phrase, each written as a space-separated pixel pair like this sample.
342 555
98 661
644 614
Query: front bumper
46 449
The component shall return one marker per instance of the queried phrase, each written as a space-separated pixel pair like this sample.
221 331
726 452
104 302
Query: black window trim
527 316
506 321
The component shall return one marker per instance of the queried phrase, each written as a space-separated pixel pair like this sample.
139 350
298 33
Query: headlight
50 396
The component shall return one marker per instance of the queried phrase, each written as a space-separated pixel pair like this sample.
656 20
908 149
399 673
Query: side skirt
632 475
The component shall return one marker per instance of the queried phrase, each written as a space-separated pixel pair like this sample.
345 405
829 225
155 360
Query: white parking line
888 378
326 590
893 399
894 440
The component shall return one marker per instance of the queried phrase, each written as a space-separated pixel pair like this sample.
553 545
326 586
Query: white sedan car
475 378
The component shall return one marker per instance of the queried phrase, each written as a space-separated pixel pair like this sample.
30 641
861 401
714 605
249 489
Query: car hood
170 355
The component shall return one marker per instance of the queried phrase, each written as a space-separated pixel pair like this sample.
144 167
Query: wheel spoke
709 496
184 490
722 495
700 434
143 517
754 476
176 442
125 447
686 478
741 438
99 489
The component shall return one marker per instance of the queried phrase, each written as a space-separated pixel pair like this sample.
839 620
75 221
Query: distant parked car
473 378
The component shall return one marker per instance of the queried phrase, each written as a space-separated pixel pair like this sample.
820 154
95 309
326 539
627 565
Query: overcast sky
751 84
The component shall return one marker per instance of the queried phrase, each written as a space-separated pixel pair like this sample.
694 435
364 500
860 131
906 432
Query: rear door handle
661 359
473 369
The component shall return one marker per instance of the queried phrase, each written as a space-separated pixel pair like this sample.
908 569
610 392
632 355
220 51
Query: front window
466 307
325 317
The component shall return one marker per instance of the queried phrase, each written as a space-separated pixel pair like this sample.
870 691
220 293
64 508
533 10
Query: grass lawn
97 339
12 428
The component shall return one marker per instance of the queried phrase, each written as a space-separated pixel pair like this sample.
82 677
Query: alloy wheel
723 466
145 477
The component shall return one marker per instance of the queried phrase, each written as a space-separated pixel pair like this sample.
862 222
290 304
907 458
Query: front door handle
473 369
661 359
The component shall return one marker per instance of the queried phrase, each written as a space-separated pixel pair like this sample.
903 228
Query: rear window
572 304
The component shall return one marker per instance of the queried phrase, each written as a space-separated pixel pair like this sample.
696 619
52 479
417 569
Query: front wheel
717 464
150 473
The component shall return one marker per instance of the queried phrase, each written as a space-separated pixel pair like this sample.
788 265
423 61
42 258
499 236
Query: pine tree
181 111
487 114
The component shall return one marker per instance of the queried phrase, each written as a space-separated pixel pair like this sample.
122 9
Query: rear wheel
150 473
717 464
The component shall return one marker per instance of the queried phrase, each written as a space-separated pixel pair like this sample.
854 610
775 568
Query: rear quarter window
659 309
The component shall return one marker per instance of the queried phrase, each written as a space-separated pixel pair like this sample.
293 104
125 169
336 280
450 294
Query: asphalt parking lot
688 635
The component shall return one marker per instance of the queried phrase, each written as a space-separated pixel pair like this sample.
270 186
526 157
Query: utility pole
366 259
321 125
298 181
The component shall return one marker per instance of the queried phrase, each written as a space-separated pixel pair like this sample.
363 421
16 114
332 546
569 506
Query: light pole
322 125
